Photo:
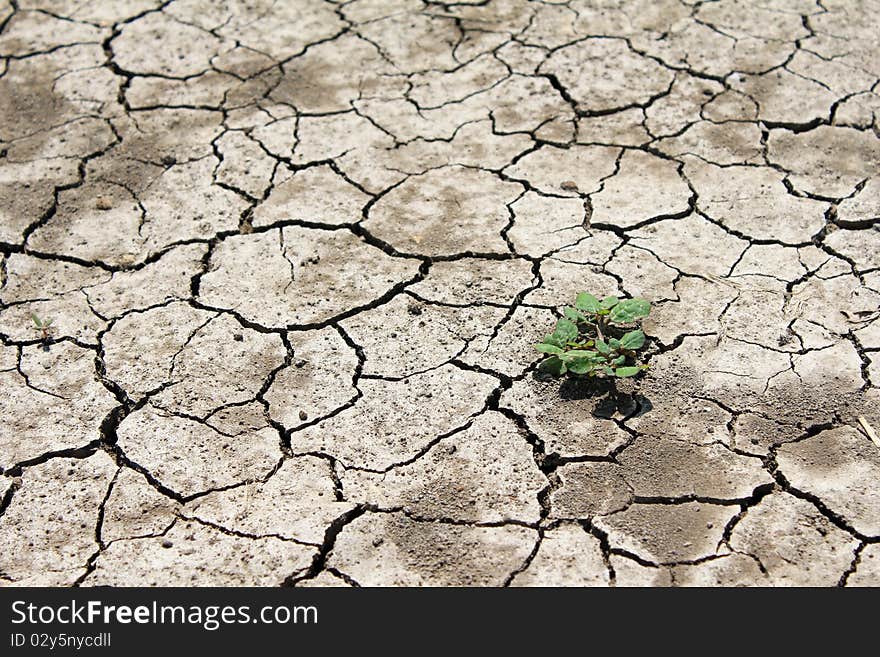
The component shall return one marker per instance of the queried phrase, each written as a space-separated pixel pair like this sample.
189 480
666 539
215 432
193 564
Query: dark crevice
320 560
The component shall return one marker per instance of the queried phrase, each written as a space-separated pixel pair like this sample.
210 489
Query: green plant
591 340
44 326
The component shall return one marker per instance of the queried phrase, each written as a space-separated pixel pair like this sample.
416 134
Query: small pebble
299 363
238 337
167 544
303 415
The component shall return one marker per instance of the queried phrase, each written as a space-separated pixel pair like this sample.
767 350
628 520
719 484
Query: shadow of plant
610 399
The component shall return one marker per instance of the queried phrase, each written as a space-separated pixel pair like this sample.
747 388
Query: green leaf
609 302
553 339
629 310
573 315
583 362
624 372
633 340
582 366
602 347
546 348
608 370
620 360
553 366
614 343
566 331
586 301
36 320
580 354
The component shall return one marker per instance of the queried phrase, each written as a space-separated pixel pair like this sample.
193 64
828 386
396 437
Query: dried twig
869 430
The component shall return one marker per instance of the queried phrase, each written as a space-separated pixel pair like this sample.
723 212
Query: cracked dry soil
295 256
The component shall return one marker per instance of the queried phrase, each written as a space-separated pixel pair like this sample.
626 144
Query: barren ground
295 255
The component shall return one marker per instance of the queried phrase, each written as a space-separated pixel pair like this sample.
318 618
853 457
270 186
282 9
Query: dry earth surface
295 255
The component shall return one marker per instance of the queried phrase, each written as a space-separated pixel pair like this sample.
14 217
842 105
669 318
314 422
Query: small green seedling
44 326
591 341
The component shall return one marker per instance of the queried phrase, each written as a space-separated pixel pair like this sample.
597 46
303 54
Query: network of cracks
271 273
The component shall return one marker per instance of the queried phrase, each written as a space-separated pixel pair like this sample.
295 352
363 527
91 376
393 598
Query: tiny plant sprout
43 325
592 339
